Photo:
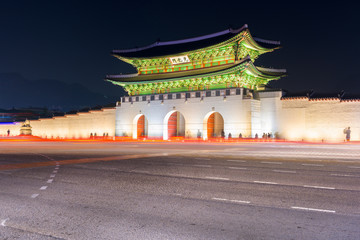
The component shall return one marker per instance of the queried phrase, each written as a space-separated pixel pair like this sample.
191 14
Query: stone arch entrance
213 125
174 125
140 126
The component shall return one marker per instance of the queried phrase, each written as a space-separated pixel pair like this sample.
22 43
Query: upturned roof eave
130 59
268 73
258 43
188 40
255 44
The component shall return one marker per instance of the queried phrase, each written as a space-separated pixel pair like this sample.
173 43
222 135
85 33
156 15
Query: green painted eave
173 76
245 65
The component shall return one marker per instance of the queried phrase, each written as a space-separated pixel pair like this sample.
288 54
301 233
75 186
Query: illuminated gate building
204 87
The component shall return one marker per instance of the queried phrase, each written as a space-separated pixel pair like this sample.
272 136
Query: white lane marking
50 180
55 171
206 159
237 168
57 168
235 160
273 183
34 195
283 171
314 209
198 165
313 165
319 187
230 200
164 154
239 201
345 161
342 175
220 199
177 194
217 178
3 222
43 188
271 162
52 175
353 167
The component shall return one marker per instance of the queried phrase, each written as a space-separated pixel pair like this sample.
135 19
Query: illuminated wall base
242 112
319 120
80 125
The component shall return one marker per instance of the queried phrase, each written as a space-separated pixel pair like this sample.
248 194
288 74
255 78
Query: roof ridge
174 42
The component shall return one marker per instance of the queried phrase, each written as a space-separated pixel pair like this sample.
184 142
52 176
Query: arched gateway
213 125
174 125
140 126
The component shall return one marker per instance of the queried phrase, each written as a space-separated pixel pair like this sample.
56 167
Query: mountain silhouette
17 91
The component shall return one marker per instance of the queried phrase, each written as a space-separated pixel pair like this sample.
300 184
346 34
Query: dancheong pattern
221 60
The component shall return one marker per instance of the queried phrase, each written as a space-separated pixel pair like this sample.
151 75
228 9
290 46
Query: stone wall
293 119
79 125
270 109
319 119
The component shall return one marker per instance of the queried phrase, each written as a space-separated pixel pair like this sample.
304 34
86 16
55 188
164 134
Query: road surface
114 190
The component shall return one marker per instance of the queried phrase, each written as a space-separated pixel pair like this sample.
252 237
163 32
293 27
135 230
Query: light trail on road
111 189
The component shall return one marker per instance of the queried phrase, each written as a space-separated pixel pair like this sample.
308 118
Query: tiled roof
161 77
173 47
168 75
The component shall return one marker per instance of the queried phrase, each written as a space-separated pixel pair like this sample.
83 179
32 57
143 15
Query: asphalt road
97 190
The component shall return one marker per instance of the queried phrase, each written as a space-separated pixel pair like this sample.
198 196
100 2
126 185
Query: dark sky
46 44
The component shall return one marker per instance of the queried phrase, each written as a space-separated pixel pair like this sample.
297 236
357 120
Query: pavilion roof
179 46
201 72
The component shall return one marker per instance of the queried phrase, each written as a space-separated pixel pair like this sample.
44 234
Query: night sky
57 53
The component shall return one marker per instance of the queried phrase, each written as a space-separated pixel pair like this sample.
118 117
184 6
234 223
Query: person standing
222 133
8 132
198 134
347 134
